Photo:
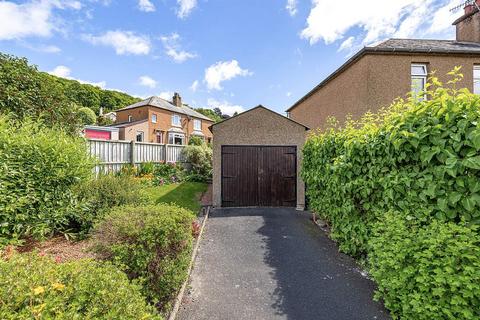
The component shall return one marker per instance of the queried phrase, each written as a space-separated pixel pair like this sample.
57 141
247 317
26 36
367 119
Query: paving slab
274 263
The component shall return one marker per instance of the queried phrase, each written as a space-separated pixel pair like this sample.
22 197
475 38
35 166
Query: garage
256 160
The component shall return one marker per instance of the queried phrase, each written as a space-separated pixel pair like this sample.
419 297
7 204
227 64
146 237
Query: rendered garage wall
258 126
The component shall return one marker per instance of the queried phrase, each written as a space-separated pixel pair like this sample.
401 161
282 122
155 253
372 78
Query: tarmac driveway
274 264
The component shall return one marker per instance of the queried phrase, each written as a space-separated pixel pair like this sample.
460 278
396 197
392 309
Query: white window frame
197 124
142 134
174 120
420 76
476 78
154 118
130 118
173 135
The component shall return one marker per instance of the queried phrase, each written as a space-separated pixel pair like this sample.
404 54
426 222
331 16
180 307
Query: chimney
468 25
177 100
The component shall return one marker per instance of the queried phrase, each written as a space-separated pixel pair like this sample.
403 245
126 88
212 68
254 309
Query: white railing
113 155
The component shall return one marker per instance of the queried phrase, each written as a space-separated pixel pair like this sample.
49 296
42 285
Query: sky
231 54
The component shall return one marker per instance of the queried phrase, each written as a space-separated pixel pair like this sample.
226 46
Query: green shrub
150 243
418 157
146 169
34 287
100 195
166 173
426 272
199 160
86 115
195 141
39 168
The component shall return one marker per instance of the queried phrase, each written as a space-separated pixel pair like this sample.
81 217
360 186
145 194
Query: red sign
97 134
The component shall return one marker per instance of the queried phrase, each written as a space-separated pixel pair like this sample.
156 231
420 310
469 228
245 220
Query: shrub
195 141
150 243
39 168
418 157
86 115
146 169
100 195
426 272
166 173
199 160
34 287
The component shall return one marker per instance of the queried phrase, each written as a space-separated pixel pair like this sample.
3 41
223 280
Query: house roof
258 107
401 46
166 105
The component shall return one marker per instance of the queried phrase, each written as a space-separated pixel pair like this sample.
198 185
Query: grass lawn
185 194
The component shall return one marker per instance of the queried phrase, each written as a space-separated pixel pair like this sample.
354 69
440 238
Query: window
176 138
197 125
154 118
130 118
476 79
288 115
176 120
139 136
419 80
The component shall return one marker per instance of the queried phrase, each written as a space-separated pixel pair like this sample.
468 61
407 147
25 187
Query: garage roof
258 107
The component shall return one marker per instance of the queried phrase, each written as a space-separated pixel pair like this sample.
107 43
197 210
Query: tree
86 115
210 113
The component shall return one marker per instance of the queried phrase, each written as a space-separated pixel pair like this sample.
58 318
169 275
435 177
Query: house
257 157
378 74
160 121
98 132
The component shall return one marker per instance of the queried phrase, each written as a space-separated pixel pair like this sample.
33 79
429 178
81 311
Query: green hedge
420 159
39 167
151 244
34 287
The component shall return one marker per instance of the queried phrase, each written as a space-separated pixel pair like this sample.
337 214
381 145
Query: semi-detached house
377 75
160 121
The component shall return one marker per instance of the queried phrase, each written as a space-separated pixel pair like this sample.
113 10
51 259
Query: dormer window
176 120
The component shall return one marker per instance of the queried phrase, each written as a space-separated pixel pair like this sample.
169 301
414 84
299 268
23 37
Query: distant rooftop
166 105
425 45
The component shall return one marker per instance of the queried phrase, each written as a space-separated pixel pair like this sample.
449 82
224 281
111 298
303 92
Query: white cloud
185 7
124 42
222 71
147 81
32 18
347 44
226 107
146 6
292 7
64 72
173 48
194 85
377 20
167 95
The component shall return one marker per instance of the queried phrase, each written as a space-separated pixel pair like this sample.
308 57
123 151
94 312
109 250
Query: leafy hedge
151 244
34 287
421 160
39 167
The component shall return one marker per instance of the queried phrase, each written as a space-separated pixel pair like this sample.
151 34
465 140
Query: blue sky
232 54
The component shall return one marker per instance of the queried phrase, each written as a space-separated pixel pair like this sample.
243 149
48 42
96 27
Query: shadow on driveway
274 264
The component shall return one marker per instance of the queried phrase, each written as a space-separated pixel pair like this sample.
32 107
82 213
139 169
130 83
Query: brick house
160 121
377 75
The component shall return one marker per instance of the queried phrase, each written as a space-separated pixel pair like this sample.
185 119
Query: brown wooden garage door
264 176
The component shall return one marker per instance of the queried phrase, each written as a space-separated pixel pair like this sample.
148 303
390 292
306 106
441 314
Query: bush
195 141
426 272
39 169
86 115
146 169
100 195
199 160
166 173
418 157
151 244
34 287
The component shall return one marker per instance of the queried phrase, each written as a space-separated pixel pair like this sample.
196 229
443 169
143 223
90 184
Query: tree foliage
210 113
86 115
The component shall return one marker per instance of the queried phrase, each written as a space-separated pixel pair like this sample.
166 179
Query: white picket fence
114 154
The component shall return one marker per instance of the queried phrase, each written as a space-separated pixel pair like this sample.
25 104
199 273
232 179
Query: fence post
166 153
133 152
